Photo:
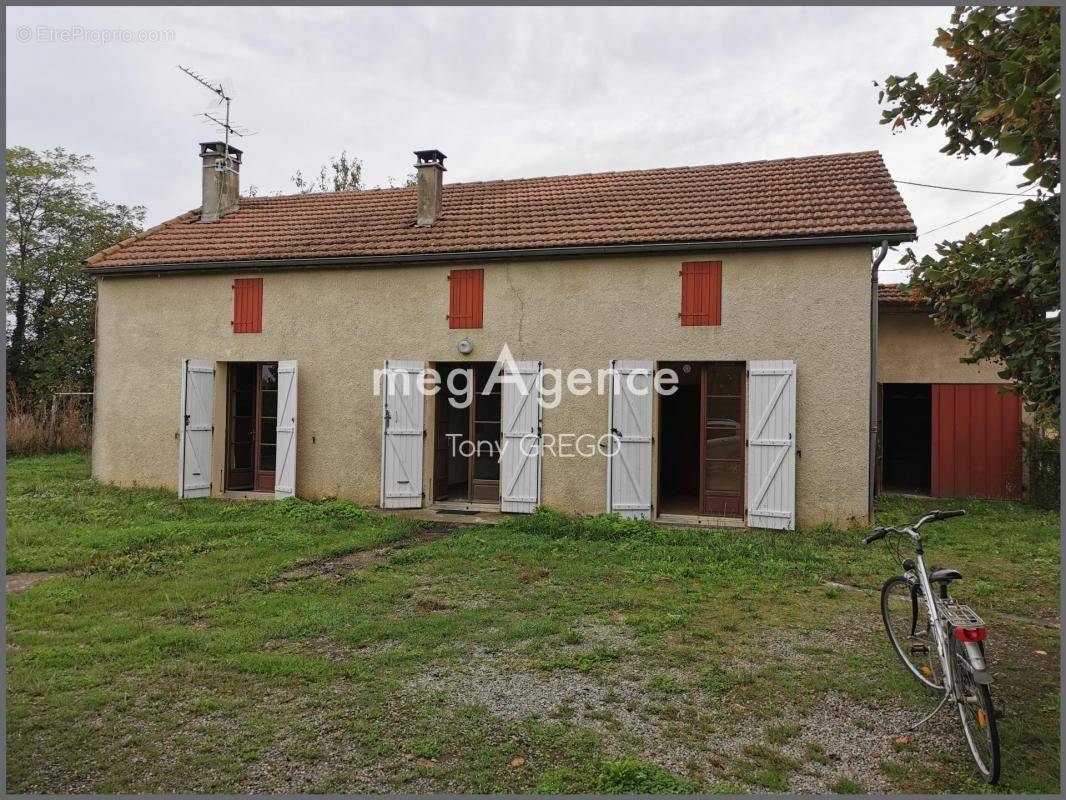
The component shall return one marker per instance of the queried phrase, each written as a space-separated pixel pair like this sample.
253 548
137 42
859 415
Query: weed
779 734
846 786
630 776
664 684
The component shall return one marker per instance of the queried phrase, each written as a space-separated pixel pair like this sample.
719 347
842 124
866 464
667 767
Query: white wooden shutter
197 407
285 470
629 457
403 431
521 433
772 444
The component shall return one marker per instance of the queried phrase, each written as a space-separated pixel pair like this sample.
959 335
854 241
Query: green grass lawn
213 646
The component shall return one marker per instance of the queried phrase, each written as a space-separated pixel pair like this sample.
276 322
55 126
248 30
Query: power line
970 191
974 214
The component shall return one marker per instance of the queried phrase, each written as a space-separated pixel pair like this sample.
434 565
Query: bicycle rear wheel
978 719
907 623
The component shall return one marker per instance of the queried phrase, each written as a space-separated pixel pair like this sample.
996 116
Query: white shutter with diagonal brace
630 421
197 428
403 431
521 439
772 444
285 474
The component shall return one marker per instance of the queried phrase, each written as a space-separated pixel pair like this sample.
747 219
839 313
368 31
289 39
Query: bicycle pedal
919 647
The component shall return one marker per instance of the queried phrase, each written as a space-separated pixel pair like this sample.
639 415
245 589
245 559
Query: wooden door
402 433
484 475
251 429
287 385
976 442
197 428
266 422
722 439
771 437
240 427
440 446
629 421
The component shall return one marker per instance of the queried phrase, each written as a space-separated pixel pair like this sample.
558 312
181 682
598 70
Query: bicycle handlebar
879 533
933 516
948 514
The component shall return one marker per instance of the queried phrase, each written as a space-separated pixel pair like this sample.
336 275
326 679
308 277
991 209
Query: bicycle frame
933 611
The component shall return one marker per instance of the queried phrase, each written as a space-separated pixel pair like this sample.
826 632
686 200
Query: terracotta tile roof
850 193
892 294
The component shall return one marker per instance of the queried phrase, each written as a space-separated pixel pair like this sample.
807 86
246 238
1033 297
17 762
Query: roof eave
577 251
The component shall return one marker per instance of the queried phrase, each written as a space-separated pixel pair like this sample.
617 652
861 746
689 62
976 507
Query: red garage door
976 447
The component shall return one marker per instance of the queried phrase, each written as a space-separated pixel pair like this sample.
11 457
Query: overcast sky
503 92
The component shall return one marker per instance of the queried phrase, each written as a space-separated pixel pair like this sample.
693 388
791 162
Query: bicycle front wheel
907 622
978 720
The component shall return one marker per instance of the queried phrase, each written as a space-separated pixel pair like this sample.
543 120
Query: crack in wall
521 303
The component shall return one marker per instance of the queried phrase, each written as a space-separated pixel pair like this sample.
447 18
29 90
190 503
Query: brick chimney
430 169
221 180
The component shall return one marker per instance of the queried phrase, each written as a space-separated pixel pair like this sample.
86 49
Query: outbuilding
947 428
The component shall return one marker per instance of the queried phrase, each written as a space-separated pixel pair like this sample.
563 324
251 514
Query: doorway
251 429
467 428
907 424
701 440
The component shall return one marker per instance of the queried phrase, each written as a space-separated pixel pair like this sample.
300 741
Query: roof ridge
640 171
681 167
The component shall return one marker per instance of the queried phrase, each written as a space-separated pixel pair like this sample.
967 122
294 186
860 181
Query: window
701 293
247 305
466 309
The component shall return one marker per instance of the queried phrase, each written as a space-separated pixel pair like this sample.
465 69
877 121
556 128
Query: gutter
503 255
874 310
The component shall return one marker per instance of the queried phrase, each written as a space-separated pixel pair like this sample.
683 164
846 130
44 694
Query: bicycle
941 642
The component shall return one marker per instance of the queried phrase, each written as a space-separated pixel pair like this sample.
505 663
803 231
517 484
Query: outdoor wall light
465 347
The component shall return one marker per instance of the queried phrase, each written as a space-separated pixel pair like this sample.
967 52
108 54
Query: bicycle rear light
970 634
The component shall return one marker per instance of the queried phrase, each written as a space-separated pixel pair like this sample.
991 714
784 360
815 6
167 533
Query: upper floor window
701 293
466 309
247 305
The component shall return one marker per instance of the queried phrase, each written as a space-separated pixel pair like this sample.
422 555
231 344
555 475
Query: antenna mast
223 98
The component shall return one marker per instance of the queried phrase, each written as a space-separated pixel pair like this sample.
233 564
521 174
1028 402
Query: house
750 282
947 429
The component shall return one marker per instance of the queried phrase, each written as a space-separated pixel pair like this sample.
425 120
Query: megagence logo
547 386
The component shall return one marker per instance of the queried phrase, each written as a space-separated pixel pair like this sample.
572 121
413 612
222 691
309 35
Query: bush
1042 458
61 427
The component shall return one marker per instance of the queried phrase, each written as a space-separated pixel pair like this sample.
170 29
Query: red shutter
701 293
976 441
248 305
467 298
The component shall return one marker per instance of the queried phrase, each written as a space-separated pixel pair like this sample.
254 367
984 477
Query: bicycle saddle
944 576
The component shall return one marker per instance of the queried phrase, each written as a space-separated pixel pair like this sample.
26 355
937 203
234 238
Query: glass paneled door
251 430
722 442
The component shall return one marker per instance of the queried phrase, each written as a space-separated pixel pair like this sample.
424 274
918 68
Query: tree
54 222
997 288
340 175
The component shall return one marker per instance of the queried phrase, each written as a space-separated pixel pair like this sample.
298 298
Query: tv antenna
223 97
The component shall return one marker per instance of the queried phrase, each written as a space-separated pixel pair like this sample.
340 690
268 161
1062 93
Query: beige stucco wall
911 349
805 304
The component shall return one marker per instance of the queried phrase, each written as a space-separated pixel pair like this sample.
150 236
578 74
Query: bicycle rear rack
957 615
